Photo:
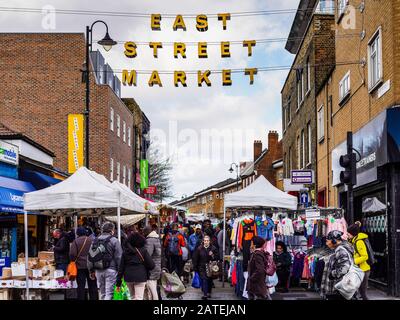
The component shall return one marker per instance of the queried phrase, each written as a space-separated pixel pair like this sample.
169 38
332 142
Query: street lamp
107 44
237 173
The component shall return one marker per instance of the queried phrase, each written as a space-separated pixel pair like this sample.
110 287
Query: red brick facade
42 84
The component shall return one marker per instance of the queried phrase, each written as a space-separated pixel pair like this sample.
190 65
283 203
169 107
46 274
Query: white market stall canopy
127 221
83 190
261 193
195 217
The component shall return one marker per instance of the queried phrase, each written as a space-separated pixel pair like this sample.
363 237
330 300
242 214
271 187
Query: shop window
344 87
321 127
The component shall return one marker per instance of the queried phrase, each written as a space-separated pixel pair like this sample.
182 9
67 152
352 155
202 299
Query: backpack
371 256
99 257
173 245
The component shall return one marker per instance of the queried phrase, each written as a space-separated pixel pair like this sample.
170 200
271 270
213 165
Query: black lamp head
107 42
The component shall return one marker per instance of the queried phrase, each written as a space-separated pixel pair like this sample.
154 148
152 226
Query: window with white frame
303 150
309 145
284 117
124 174
118 172
289 111
298 153
342 4
124 131
375 59
129 136
129 178
326 6
112 119
321 127
344 86
111 169
118 125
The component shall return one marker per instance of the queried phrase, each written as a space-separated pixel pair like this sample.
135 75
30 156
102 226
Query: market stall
85 193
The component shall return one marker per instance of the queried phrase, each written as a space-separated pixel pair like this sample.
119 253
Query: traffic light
349 175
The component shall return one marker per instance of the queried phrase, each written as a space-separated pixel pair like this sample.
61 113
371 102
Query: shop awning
12 194
39 180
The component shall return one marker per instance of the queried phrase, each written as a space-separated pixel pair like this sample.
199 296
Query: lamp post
237 173
107 44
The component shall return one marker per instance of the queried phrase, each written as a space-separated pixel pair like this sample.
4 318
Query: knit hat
354 229
335 235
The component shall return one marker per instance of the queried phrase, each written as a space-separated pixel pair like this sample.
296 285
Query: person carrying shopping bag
135 266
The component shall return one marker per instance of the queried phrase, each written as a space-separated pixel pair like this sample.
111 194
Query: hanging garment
337 224
298 265
287 227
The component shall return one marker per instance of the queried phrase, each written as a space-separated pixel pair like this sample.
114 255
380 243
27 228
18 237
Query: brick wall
318 47
42 84
362 106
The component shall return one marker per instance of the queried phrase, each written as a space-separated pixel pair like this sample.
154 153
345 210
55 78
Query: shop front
375 202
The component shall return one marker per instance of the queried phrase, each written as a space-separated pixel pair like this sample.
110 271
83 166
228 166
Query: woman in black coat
283 261
201 257
135 266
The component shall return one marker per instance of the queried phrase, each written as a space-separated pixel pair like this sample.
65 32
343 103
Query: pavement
228 293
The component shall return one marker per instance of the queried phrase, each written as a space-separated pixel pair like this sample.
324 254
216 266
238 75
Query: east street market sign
302 176
153 78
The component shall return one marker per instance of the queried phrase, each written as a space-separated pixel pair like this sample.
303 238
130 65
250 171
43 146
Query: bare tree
160 173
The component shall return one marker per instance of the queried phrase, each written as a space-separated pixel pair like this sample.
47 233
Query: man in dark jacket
153 247
61 250
79 252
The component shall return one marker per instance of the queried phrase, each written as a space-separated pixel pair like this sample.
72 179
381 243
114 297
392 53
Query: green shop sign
144 174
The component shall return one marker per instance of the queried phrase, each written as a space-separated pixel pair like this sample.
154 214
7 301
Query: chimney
273 141
257 149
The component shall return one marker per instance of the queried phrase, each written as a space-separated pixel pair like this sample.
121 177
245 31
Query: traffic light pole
350 196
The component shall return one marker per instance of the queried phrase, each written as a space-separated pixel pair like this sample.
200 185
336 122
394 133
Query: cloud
250 110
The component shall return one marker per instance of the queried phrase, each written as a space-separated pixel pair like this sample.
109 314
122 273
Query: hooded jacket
360 252
257 272
135 265
153 247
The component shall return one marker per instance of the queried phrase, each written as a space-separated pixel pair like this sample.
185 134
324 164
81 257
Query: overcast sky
184 119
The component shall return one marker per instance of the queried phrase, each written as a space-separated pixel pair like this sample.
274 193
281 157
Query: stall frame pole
223 249
119 222
26 253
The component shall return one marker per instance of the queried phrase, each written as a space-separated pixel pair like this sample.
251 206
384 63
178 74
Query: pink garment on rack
269 246
306 270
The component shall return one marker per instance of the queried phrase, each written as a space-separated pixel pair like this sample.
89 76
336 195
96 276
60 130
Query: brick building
42 84
312 40
364 97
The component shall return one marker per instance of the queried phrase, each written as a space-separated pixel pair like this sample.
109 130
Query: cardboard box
48 271
44 263
33 263
46 255
6 273
35 274
6 283
58 274
55 284
18 269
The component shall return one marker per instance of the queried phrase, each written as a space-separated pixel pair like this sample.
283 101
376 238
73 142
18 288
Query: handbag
213 269
351 281
72 269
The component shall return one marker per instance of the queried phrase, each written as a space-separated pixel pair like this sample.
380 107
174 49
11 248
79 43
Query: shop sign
313 214
378 143
144 174
151 190
302 176
75 142
9 153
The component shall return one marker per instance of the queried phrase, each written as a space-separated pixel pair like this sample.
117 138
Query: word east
179 23
130 78
180 49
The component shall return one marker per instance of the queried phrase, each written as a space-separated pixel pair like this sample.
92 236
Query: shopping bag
123 293
351 281
171 283
271 281
196 283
